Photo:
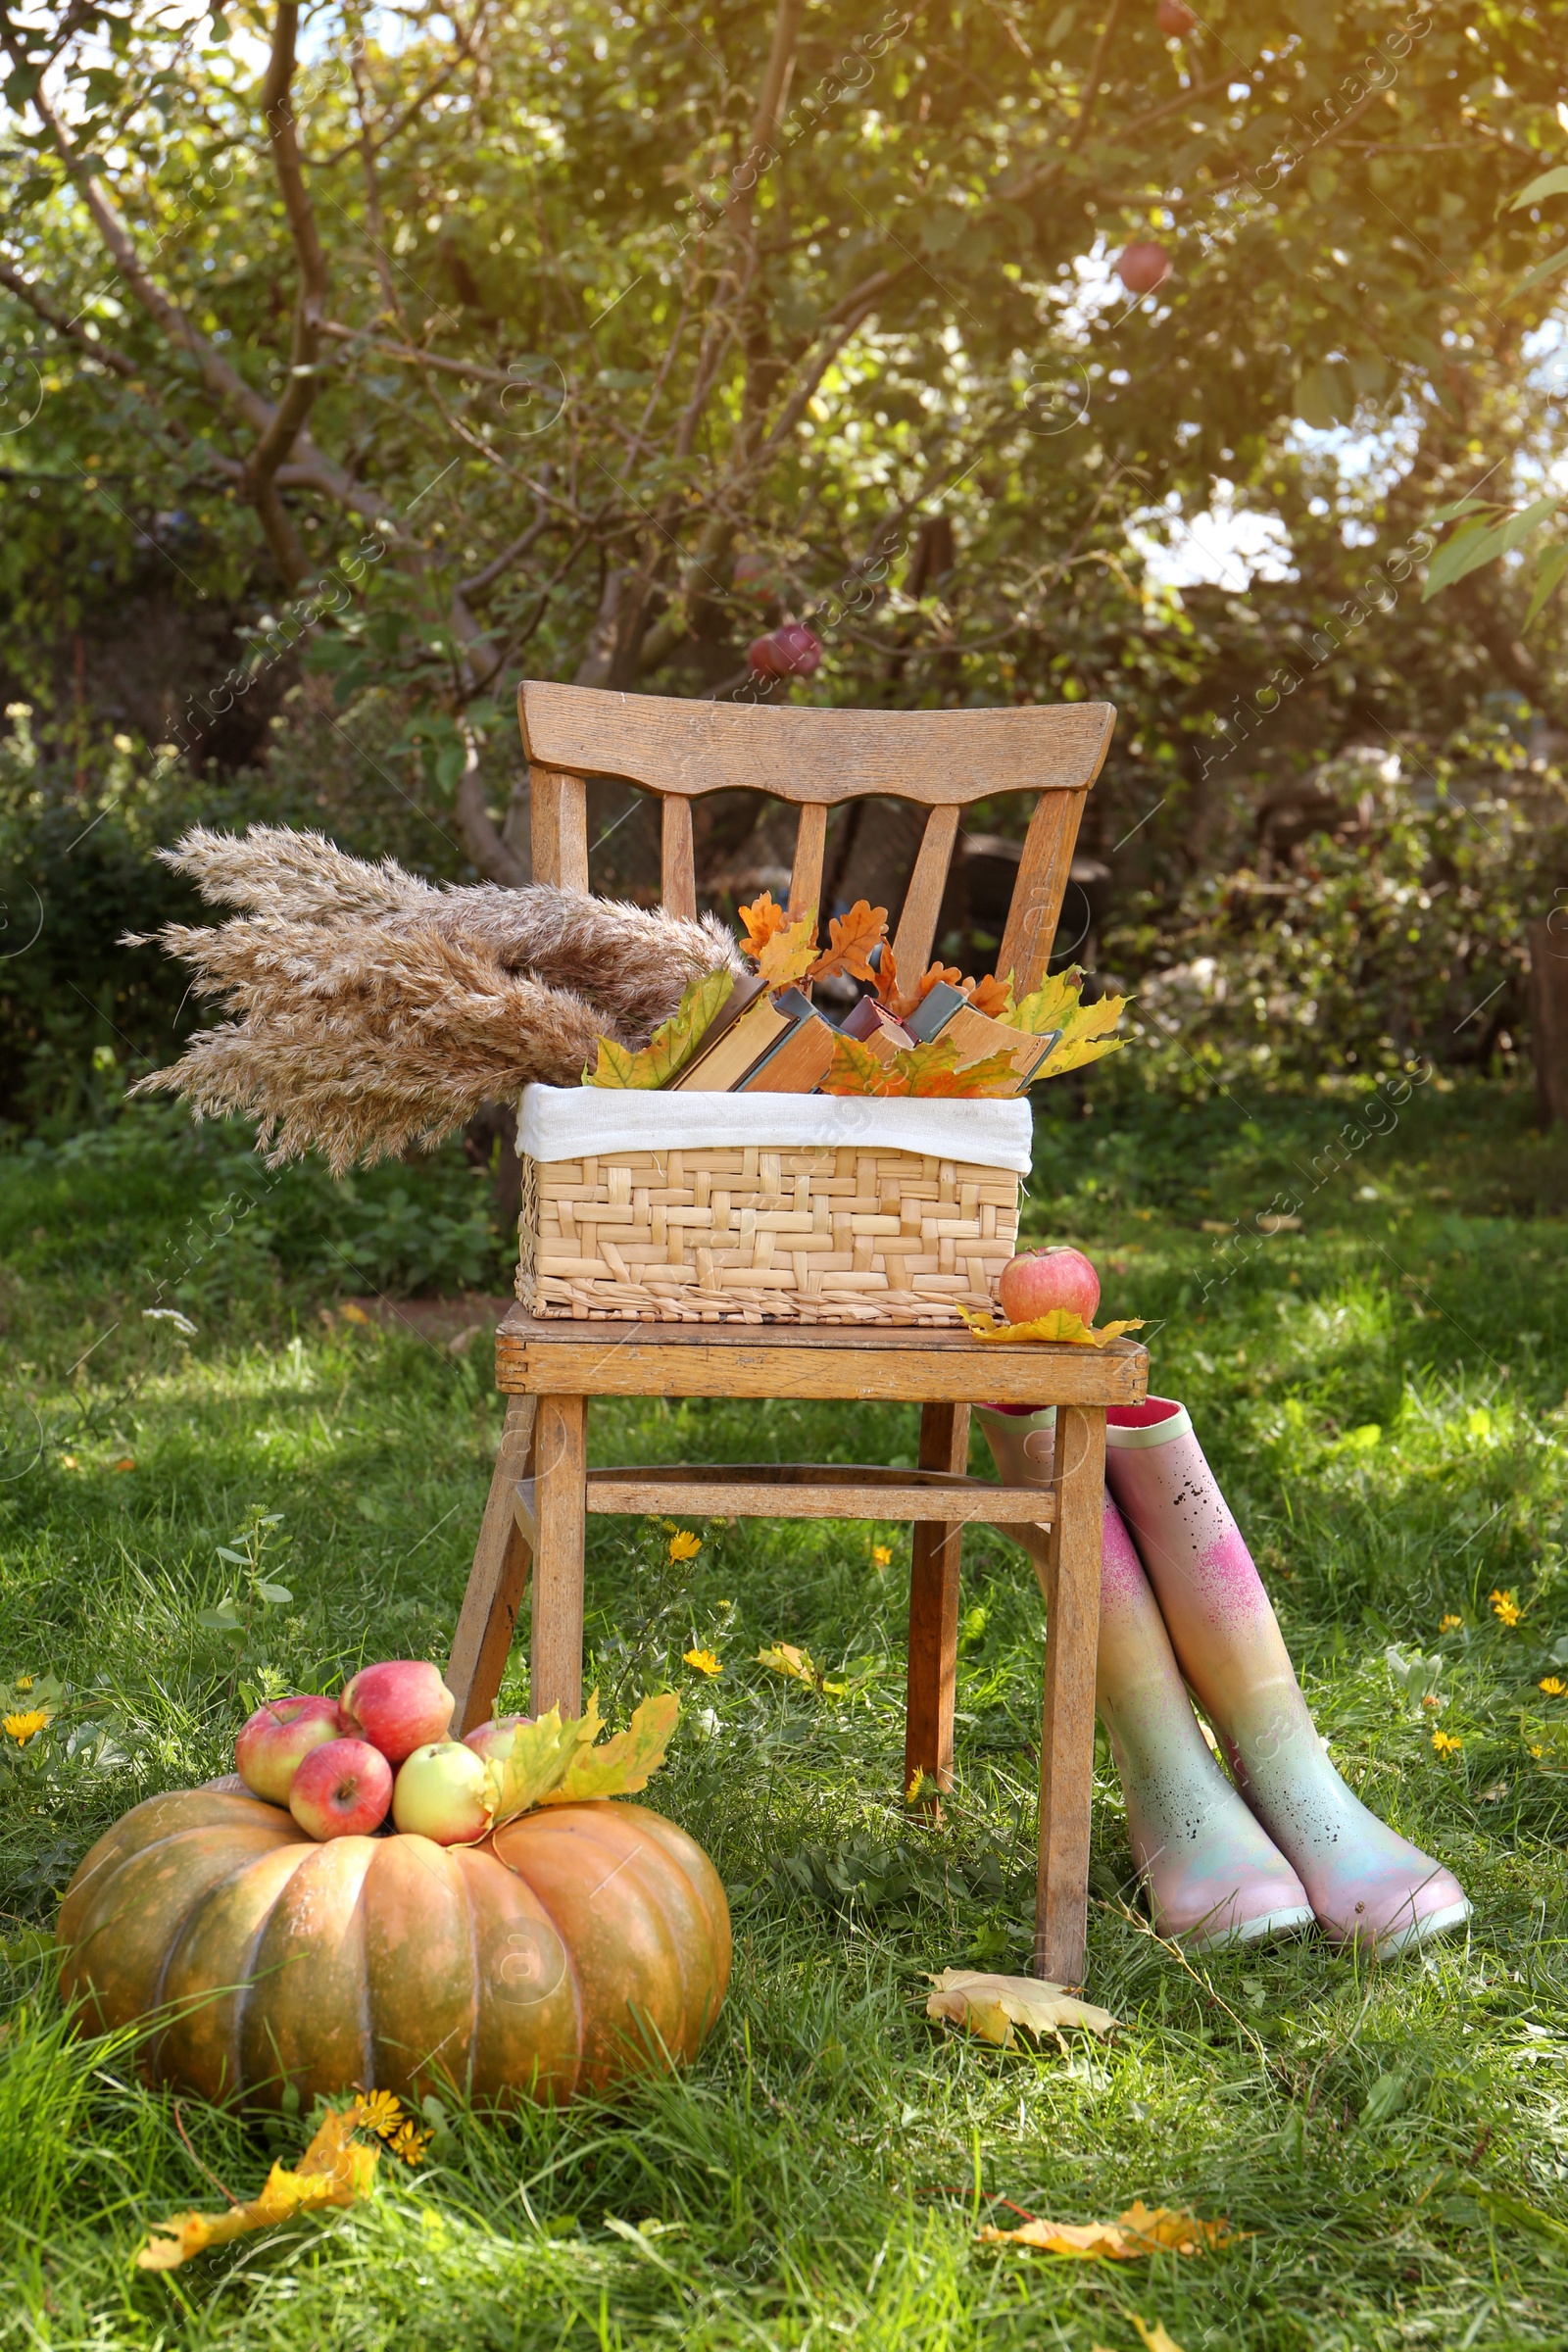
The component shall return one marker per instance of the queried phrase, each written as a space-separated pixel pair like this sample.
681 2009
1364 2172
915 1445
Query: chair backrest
944 759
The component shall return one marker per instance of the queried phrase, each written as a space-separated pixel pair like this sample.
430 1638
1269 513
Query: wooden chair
543 1488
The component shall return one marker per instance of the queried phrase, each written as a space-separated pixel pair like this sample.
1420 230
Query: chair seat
804 1491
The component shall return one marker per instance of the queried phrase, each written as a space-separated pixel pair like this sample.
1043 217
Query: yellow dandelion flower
1506 1608
882 1556
1444 1744
1450 1624
702 1661
23 1728
23 1682
410 2143
382 2113
685 1546
1553 1686
1537 1751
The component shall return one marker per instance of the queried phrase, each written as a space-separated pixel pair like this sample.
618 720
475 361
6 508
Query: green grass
1383 1394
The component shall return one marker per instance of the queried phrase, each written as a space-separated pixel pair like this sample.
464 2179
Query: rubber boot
1211 1874
1367 1885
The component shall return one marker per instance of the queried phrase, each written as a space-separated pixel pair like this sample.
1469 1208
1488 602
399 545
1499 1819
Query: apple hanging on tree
1143 266
792 650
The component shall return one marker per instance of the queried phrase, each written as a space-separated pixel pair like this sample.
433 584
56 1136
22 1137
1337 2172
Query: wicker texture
852 1234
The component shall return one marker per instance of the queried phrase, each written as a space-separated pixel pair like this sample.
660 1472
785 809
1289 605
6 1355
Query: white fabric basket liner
586 1122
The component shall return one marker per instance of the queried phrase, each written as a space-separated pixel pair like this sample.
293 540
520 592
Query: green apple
440 1794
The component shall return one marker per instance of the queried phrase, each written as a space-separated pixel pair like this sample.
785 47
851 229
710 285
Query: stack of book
783 1044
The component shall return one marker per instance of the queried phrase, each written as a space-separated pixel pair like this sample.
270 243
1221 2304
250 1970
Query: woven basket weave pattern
818 1234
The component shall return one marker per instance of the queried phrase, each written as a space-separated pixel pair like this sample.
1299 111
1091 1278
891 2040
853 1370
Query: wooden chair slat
934 1565
802 1491
922 900
557 809
799 752
1037 895
678 859
805 881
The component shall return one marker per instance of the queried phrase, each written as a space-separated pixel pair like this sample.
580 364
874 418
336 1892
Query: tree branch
279 436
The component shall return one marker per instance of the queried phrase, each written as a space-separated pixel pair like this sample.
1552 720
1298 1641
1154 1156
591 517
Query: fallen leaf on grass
1155 2338
334 2170
1061 1324
800 1667
991 2006
1139 2232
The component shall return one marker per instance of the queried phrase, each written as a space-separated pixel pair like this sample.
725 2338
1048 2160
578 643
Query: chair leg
485 1623
560 1496
1067 1739
934 1612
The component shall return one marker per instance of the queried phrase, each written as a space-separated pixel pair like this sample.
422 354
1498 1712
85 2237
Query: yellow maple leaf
855 1070
334 2170
789 954
933 1069
674 1042
798 1666
624 1764
1060 1325
991 2006
1141 2231
1156 2338
534 1761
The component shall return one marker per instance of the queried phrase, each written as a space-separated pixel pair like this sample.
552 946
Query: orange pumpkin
577 1945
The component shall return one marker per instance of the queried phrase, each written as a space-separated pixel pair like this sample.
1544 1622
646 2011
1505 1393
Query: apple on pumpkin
1038 1281
341 1789
398 1706
491 1741
440 1794
273 1745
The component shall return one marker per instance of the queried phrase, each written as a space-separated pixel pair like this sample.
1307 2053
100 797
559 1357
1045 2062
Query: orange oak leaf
993 997
991 2006
851 940
761 918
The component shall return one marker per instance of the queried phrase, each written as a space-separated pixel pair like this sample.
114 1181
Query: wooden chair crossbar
543 1491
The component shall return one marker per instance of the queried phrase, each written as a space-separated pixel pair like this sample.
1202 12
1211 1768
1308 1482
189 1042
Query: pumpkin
576 1946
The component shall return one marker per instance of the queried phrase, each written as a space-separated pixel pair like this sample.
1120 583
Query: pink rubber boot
1367 1886
1213 1874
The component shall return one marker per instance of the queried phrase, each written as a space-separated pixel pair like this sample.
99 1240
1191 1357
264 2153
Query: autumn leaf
672 1044
624 1764
863 928
334 2170
761 920
1156 2338
798 1666
789 954
991 2006
1085 1029
553 1763
535 1761
1141 2231
993 998
1061 1324
1050 1006
855 1070
930 1070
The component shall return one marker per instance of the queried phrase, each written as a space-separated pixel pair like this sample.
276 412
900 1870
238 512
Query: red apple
342 1790
440 1794
1143 267
1174 19
398 1706
791 652
492 1740
274 1742
1038 1280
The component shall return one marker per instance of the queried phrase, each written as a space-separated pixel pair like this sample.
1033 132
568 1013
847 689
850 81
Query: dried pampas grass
376 1013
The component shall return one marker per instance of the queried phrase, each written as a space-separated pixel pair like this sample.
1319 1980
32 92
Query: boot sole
1267 1927
1423 1931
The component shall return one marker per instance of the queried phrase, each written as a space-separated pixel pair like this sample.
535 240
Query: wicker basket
767 1230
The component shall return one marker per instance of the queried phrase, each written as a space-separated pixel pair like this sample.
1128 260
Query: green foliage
820 2172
